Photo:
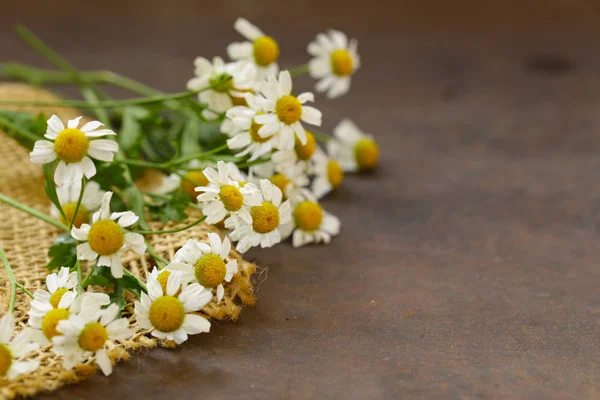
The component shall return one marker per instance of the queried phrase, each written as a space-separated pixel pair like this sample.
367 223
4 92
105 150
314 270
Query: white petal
100 133
73 123
311 115
136 242
246 29
91 126
174 283
104 362
103 149
7 327
215 243
126 218
81 233
220 292
306 96
85 252
116 268
89 169
285 81
194 324
55 126
42 153
240 51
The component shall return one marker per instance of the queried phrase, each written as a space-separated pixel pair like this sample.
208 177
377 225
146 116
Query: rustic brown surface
468 264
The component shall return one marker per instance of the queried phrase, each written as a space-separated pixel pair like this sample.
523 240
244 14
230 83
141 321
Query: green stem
299 70
31 211
8 124
13 281
172 163
78 204
139 282
87 277
159 260
79 276
175 230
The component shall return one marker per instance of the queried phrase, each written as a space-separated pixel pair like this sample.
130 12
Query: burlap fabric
26 241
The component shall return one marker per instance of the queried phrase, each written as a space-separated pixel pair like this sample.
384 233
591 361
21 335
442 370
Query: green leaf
135 200
190 138
131 128
63 252
34 123
132 285
173 209
112 175
98 280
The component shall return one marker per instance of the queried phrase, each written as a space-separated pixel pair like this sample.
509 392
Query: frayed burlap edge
26 241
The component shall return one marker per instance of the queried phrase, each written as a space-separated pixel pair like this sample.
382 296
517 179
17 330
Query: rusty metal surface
468 263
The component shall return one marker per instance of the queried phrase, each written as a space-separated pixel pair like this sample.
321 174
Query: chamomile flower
206 263
291 179
44 316
335 60
224 197
13 348
301 154
242 130
73 146
310 223
87 333
169 314
328 174
267 218
58 284
260 49
354 149
68 195
227 81
281 113
106 238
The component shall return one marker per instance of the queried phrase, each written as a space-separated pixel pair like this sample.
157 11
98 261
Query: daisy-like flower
44 316
106 238
156 182
260 49
301 154
281 113
13 348
310 223
73 146
242 130
328 174
224 197
68 196
335 60
58 284
354 149
206 263
169 312
87 332
227 82
267 218
291 179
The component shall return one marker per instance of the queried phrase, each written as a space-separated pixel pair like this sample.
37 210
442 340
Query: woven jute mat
26 241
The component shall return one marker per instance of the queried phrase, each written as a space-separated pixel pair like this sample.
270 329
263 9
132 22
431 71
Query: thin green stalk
79 276
142 284
175 230
78 204
172 163
87 277
31 211
159 260
299 70
13 281
7 124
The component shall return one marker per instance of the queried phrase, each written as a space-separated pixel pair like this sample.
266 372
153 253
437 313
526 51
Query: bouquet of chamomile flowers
239 149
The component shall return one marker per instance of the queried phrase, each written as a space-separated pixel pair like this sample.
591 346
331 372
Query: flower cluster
241 144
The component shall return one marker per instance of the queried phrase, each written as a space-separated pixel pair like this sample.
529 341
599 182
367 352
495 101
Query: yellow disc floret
265 50
288 109
366 153
166 314
306 151
210 270
254 133
191 180
106 237
71 145
69 210
265 218
335 173
56 296
342 63
308 216
231 197
281 181
6 359
92 337
50 321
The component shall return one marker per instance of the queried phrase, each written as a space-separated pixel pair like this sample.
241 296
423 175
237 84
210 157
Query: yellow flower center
281 181
92 337
308 216
366 153
71 145
288 109
56 296
335 173
210 270
50 321
254 133
265 218
69 210
221 83
306 151
266 51
191 180
106 237
5 359
342 63
167 314
231 197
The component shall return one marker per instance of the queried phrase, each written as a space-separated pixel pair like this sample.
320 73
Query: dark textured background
468 263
